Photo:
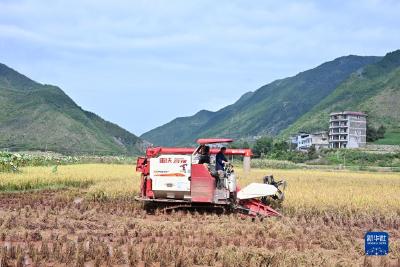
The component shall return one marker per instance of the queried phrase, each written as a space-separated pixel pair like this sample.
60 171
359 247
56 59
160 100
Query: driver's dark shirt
219 165
204 159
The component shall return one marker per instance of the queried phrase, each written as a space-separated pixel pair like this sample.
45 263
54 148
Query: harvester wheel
149 207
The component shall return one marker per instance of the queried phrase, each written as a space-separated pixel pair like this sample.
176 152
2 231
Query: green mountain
268 110
374 90
34 116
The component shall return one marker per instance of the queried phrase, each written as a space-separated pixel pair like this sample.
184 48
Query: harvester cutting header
174 177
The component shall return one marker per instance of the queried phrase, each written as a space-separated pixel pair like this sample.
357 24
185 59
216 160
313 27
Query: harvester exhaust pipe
246 165
246 161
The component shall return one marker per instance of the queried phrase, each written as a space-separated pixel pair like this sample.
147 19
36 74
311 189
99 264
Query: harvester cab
173 178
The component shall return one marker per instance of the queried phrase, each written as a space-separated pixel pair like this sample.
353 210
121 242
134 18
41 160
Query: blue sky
142 63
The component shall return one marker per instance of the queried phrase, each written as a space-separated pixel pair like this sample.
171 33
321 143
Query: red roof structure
203 141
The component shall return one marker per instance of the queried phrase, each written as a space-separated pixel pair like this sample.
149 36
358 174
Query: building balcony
338 131
338 137
337 120
338 117
338 126
338 134
337 141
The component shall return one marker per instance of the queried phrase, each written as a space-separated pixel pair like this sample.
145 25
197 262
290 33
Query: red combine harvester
172 178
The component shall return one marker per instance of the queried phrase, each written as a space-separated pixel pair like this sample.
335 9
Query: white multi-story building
304 141
347 129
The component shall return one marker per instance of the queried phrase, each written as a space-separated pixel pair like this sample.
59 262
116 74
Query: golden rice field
332 190
311 190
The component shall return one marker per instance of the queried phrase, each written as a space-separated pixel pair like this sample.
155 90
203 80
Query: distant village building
347 129
305 141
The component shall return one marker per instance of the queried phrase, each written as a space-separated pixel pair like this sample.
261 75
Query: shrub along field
85 213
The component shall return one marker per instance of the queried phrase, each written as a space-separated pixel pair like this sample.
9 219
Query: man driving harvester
220 161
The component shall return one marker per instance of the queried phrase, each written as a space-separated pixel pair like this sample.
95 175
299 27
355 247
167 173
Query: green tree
312 152
245 145
263 146
371 134
281 146
381 132
375 134
240 144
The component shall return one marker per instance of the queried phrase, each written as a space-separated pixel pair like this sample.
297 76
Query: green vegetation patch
390 138
11 162
361 158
